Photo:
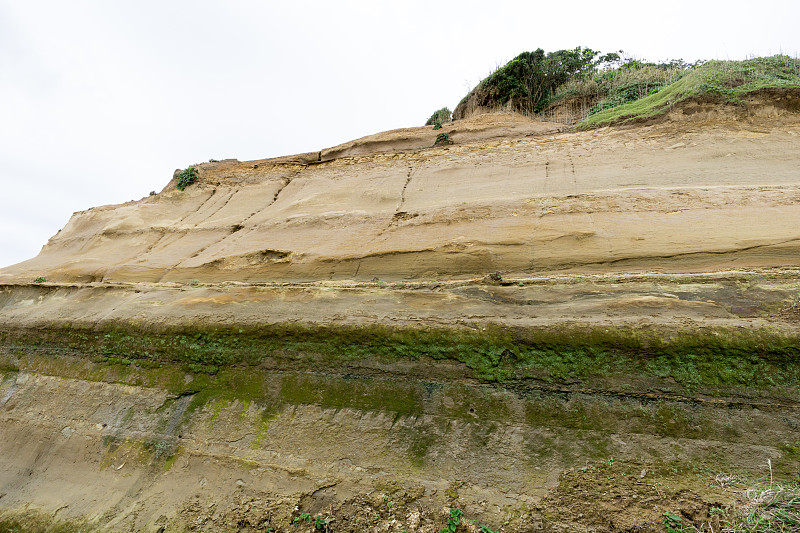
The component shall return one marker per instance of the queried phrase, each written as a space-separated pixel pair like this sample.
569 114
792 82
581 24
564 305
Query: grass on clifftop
584 87
727 80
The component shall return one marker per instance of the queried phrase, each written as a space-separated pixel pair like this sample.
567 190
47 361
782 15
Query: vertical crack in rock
199 208
398 213
241 225
574 178
220 208
286 182
403 192
233 230
165 232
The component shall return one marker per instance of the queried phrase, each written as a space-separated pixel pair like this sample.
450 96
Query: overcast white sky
101 100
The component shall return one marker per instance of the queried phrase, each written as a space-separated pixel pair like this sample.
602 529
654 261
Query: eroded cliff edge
547 330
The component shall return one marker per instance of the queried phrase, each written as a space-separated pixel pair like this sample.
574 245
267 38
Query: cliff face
675 197
541 328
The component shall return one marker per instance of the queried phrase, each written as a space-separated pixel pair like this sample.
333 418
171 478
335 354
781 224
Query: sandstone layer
685 195
549 330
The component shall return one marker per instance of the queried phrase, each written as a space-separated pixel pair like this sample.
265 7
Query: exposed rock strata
674 197
511 321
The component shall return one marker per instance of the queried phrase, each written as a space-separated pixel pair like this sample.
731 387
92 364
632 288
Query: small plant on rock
453 521
318 522
672 522
40 279
303 516
186 178
443 138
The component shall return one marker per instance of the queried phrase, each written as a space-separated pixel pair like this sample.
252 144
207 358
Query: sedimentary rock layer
687 195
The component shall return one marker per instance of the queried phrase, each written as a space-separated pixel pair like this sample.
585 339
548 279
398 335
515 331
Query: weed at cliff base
771 508
453 521
774 509
318 521
673 523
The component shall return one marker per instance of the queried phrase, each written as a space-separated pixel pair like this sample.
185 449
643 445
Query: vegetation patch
443 138
604 89
526 81
613 87
31 521
621 496
439 117
726 81
766 509
186 178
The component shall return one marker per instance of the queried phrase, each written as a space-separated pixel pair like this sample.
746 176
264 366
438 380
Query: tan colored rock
511 195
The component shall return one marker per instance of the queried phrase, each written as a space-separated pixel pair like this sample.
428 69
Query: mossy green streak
698 358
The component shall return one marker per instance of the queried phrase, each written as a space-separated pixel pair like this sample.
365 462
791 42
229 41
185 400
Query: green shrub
186 178
40 279
439 116
529 79
583 86
442 138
